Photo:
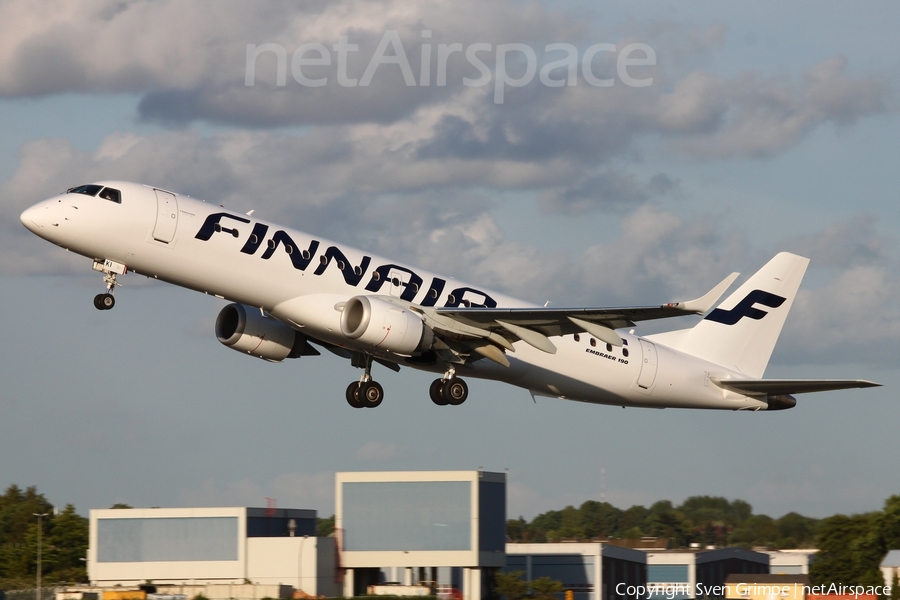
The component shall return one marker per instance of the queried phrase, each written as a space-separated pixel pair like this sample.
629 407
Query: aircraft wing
790 386
535 325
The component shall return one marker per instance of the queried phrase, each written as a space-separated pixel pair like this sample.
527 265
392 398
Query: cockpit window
88 190
111 194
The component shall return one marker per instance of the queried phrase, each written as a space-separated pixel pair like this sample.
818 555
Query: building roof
766 578
644 543
892 559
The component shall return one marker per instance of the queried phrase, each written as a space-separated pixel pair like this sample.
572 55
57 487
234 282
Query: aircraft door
648 365
398 280
166 216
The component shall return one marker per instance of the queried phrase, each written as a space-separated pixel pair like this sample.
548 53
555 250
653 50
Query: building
591 571
421 526
890 566
687 573
790 562
762 586
211 546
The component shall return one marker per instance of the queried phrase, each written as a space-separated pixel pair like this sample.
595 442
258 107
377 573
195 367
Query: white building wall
300 562
888 574
126 573
307 563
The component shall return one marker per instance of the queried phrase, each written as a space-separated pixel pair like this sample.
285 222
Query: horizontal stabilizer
774 387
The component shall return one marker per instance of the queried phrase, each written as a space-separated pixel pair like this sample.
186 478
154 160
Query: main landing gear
111 270
366 393
448 390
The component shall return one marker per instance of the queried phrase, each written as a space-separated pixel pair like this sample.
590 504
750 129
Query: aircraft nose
36 218
29 218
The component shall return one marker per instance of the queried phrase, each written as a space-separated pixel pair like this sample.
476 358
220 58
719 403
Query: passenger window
593 342
111 194
609 347
625 352
577 338
88 190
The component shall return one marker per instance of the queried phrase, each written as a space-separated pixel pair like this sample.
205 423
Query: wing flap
775 387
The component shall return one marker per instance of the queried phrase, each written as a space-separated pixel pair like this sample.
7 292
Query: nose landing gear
111 270
104 301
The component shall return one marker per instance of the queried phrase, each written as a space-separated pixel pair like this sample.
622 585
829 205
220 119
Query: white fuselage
207 248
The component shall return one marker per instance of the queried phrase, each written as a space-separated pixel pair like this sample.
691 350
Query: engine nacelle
245 329
385 325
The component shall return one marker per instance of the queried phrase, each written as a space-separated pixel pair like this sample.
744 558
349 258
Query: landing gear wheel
436 391
455 391
104 301
353 395
370 394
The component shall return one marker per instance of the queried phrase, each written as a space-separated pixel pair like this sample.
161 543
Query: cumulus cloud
756 116
190 62
611 189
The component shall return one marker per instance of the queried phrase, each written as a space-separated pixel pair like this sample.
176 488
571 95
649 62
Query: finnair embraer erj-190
290 288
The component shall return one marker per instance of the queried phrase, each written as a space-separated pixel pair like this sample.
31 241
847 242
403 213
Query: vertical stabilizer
741 332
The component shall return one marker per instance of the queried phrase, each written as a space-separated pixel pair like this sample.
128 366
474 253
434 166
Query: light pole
40 517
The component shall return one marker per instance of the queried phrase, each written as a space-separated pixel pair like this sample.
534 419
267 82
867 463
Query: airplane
290 290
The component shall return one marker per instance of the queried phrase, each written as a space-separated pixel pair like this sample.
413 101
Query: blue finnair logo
745 308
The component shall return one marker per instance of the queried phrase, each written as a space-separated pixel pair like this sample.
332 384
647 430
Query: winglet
706 302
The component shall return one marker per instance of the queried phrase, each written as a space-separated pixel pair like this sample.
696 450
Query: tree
325 527
599 519
69 538
889 524
665 521
796 531
633 518
840 540
758 530
570 525
544 588
64 540
511 585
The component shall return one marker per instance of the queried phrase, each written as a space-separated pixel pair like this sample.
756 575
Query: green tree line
707 520
64 540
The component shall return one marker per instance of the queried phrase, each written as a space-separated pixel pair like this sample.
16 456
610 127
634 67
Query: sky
729 132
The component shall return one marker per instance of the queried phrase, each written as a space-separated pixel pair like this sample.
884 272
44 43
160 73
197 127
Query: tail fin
741 332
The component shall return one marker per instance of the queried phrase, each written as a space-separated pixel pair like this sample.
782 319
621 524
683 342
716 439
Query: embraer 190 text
290 289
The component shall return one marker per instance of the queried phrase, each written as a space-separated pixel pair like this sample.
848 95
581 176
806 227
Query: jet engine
245 329
385 325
